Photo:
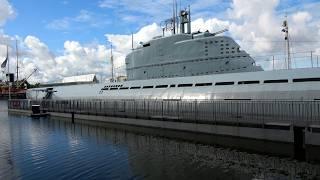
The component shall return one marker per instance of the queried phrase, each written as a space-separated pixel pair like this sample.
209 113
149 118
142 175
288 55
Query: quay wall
282 128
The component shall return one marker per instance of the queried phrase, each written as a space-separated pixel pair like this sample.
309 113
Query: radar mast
111 59
179 22
286 38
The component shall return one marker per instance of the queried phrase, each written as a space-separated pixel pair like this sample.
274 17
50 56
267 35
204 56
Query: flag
4 64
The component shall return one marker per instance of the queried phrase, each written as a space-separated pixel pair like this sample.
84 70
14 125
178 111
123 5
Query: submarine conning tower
187 54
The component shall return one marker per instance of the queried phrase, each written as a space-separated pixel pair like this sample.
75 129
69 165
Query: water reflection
51 149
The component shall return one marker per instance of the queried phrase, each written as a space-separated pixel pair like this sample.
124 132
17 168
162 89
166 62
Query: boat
193 65
11 88
14 93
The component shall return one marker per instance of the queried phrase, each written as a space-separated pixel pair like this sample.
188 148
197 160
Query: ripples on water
56 149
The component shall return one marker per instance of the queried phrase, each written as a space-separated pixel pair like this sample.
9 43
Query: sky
71 37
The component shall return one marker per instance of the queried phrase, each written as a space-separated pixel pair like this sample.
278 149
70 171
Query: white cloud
59 24
65 2
84 16
123 43
255 24
84 19
301 17
107 4
6 11
150 11
251 9
212 25
76 59
257 27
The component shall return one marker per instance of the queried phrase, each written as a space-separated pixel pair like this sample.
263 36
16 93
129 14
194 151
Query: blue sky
55 21
34 18
73 33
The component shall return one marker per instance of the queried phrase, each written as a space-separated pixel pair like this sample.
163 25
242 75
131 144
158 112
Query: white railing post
311 60
272 62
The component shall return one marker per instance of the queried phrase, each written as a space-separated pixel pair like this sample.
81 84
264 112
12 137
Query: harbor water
57 149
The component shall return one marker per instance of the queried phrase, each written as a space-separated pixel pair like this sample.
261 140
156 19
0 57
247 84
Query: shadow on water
50 149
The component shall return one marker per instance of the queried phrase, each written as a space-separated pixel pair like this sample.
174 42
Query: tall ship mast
11 87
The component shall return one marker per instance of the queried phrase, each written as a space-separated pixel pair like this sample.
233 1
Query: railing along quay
238 112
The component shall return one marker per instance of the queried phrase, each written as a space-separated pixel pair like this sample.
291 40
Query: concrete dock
286 128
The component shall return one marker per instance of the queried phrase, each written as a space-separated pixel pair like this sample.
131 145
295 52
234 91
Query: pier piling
72 117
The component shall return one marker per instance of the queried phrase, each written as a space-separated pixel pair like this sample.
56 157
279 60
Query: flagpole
8 72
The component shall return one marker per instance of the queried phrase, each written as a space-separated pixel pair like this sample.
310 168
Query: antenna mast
174 17
132 41
111 65
286 38
189 24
